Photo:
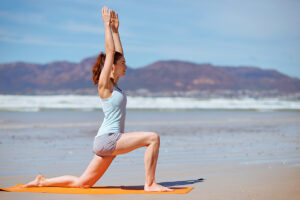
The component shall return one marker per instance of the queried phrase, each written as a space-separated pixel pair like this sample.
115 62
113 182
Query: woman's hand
106 16
114 21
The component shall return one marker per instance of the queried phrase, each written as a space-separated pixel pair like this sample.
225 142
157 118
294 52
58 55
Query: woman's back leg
91 175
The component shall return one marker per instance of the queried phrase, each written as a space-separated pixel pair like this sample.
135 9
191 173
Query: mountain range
161 78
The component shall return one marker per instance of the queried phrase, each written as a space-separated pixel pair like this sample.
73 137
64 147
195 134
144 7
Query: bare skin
127 142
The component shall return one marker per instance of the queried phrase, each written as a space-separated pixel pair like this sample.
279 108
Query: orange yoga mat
95 190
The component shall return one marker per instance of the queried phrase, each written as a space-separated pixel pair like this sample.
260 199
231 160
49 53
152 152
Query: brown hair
97 68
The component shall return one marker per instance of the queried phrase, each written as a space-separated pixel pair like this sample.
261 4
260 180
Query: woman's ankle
149 183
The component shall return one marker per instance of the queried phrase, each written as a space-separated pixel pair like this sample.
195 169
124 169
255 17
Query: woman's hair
97 68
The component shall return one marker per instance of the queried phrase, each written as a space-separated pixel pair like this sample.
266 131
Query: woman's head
118 68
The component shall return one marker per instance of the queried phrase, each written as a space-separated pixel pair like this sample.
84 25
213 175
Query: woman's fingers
106 14
113 14
104 10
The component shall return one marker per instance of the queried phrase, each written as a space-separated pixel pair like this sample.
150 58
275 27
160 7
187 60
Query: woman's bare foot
156 188
37 182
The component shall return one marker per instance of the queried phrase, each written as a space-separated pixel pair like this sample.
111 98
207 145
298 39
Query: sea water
89 102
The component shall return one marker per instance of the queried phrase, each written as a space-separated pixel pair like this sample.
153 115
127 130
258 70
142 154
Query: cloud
84 2
82 28
7 36
252 19
33 18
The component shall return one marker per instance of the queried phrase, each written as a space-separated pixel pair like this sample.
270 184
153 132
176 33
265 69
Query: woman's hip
105 144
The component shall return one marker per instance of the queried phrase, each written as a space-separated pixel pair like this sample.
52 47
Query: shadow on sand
166 184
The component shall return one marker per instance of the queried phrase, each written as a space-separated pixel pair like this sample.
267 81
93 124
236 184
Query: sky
259 33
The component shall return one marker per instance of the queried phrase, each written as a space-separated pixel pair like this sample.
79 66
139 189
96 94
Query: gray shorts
105 144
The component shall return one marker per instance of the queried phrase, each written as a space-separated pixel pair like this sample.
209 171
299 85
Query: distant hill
161 78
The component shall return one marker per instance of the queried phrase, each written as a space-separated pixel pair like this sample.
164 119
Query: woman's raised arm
115 32
109 49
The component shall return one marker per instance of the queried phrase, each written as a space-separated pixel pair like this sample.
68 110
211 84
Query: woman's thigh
130 141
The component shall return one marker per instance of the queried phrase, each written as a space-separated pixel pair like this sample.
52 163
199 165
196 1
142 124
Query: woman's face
120 67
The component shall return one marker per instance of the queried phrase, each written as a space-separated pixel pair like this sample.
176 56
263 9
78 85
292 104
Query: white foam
88 102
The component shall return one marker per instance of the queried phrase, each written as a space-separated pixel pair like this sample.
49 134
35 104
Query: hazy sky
262 33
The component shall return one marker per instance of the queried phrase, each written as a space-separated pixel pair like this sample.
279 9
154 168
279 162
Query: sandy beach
222 154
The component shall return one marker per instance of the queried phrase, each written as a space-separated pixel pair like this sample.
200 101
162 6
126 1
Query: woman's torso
114 108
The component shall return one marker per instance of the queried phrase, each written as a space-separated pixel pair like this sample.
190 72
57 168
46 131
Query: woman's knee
82 184
74 181
154 137
86 186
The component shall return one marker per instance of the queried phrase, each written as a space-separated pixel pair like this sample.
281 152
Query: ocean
37 103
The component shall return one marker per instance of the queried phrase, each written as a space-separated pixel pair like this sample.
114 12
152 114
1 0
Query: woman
111 140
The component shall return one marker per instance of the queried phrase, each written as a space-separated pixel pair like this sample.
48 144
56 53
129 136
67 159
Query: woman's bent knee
154 137
85 186
82 184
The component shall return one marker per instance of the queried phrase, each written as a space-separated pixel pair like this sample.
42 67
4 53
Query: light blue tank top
114 108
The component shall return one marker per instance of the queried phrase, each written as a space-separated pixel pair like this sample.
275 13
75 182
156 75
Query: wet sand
223 154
